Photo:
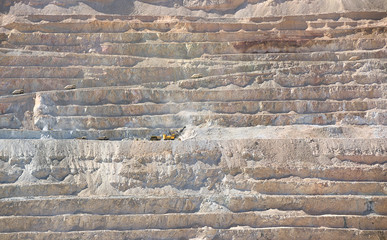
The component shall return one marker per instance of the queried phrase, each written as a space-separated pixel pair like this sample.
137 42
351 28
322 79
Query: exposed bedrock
240 8
276 111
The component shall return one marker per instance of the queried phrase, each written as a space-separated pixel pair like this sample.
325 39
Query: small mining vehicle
169 137
172 135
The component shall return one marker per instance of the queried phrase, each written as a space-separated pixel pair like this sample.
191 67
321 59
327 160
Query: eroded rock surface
238 8
282 107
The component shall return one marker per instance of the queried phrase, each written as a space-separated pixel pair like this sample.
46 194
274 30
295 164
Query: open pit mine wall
145 167
214 8
286 121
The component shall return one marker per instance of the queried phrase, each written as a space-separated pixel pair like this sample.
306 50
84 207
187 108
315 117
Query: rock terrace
285 122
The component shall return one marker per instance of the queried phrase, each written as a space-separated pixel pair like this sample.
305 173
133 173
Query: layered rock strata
285 122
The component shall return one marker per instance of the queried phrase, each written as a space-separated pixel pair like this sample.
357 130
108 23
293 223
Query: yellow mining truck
172 135
169 137
155 138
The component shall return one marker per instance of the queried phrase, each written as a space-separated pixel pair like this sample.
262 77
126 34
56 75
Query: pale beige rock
219 5
280 108
241 8
70 87
354 58
18 91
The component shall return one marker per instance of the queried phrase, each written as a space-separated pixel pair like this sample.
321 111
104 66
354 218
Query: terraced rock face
213 8
285 123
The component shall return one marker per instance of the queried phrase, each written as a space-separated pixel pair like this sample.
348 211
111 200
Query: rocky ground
283 104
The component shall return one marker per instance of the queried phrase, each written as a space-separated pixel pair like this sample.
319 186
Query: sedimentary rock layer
279 109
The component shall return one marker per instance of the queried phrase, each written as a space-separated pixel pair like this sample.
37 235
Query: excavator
172 135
